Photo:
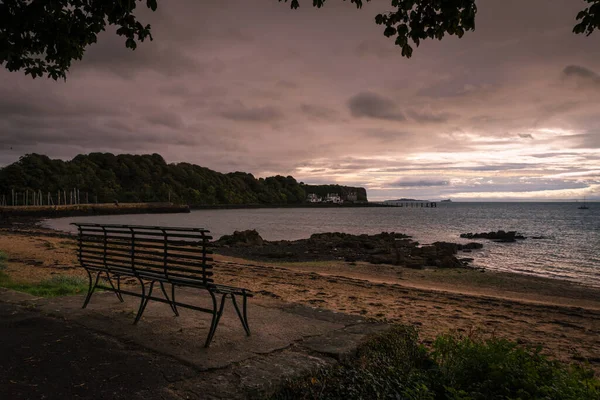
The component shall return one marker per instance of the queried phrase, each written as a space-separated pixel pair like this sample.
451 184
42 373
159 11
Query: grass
396 366
59 285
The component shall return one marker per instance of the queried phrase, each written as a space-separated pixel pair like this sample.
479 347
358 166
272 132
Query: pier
410 203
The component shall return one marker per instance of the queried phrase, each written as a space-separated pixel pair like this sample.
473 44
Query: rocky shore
498 236
384 248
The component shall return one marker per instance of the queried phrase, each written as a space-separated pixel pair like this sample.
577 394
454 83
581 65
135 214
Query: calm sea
570 248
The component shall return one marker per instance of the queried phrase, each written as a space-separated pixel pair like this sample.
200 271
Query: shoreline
75 210
563 317
25 226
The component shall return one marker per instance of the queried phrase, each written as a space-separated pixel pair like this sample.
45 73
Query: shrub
501 369
395 366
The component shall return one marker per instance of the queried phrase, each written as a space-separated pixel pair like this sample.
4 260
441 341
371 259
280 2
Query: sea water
567 244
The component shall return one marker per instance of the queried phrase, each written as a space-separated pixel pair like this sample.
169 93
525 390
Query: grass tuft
59 285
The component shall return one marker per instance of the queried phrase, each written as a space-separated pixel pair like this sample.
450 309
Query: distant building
333 198
352 196
313 198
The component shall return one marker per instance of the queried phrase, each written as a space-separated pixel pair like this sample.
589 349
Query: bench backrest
147 252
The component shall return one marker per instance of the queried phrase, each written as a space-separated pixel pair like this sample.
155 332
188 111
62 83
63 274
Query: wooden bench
155 255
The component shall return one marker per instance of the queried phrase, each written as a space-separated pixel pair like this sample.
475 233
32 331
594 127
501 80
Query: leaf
152 4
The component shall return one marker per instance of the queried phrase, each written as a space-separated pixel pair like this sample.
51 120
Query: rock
499 236
450 262
384 248
470 246
243 238
446 249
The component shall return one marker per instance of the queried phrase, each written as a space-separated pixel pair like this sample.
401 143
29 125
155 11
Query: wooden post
13 196
27 197
87 199
65 197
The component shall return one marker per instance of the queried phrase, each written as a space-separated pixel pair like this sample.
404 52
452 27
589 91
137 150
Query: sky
509 112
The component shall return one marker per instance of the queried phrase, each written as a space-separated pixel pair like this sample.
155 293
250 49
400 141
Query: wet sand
562 317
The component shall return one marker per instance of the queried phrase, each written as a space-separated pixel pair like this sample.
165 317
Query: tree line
106 178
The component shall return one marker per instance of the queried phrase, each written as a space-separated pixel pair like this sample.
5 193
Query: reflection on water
569 247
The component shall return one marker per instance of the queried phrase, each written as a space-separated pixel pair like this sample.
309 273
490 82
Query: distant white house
352 196
333 198
313 198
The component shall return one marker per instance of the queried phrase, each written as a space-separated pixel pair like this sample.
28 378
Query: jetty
409 203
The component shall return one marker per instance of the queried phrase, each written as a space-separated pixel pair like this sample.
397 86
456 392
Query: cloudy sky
510 111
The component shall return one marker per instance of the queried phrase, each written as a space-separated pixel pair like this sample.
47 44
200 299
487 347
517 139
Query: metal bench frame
154 254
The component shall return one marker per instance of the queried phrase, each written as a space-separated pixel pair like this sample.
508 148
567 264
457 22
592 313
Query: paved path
53 349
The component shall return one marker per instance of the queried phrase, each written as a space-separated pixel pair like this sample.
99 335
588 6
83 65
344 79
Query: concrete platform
287 340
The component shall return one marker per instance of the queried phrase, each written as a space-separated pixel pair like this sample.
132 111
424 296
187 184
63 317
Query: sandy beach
562 317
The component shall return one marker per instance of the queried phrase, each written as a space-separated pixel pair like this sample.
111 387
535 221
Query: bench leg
117 290
91 287
216 317
172 299
242 315
144 301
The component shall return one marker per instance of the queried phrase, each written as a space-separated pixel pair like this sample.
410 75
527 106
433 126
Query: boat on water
584 206
446 201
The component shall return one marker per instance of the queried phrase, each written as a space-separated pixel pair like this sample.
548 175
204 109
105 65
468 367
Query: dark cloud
167 119
525 135
373 105
318 112
285 84
418 183
582 73
429 117
103 138
110 55
239 112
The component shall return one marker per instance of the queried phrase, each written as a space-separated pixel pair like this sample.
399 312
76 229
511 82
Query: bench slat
85 225
188 249
127 233
128 239
159 259
159 251
154 267
174 277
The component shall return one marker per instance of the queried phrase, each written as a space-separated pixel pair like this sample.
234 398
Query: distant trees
148 178
42 37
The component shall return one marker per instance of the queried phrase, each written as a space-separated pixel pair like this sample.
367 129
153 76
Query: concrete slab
287 339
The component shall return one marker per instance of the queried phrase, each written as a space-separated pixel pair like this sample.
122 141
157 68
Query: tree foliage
148 178
43 37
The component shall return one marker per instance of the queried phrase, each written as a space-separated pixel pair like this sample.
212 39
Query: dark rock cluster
243 238
499 236
383 248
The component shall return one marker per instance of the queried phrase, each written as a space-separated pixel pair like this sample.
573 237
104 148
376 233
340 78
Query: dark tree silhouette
148 178
43 37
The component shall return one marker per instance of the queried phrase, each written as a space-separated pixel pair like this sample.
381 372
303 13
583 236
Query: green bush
395 366
500 369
